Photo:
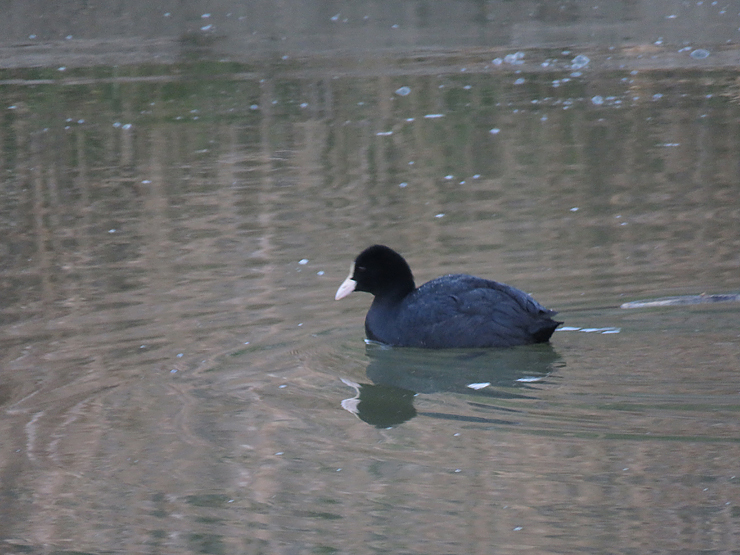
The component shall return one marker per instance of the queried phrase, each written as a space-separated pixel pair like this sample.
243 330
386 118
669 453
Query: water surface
176 377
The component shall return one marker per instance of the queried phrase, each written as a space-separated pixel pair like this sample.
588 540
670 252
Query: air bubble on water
699 54
579 62
516 59
598 100
403 91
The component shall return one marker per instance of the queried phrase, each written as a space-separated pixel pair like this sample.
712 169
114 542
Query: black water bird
448 312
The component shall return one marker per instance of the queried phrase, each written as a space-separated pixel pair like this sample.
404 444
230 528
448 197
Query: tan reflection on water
171 353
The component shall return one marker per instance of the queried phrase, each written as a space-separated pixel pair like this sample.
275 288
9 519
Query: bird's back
462 311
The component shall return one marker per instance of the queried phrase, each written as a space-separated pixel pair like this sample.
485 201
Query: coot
450 311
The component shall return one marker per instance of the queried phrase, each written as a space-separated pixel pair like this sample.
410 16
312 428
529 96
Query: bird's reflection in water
399 374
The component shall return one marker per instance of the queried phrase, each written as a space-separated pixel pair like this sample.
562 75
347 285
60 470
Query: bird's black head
380 271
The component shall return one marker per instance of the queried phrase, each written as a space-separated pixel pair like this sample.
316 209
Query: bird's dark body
460 311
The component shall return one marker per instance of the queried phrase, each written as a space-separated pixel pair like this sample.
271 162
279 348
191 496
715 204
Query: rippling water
176 376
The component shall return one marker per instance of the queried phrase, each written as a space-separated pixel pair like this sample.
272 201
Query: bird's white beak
348 285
